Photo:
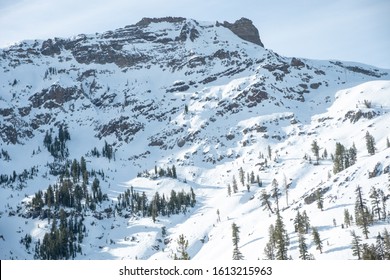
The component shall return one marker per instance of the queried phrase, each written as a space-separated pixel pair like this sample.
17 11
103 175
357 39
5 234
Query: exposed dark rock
56 96
244 29
122 128
295 62
51 48
146 21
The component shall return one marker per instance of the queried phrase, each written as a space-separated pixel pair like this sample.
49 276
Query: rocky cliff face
142 69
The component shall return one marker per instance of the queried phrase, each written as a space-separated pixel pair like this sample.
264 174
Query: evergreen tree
316 150
361 212
299 223
241 176
303 251
174 172
338 161
387 142
182 249
234 184
281 239
375 202
316 239
370 143
356 245
270 247
347 219
229 189
275 193
386 244
320 199
237 255
264 198
306 221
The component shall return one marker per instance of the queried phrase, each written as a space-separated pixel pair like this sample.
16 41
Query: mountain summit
172 128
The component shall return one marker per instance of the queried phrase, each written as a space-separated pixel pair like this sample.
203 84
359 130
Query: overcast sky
351 30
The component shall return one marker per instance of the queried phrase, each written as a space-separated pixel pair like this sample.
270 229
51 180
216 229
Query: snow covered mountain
184 108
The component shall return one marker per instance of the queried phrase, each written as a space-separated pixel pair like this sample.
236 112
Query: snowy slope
131 87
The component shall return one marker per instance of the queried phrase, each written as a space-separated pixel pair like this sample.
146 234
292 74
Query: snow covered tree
241 175
237 255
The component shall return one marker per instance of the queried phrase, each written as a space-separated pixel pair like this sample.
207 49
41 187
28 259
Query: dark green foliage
320 199
356 245
316 150
264 198
57 147
182 249
281 239
370 144
237 255
343 157
347 218
362 214
63 241
303 251
317 239
107 151
376 201
176 203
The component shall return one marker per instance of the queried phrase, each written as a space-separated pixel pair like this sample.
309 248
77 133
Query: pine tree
306 221
229 189
275 192
320 199
370 144
234 184
241 176
236 238
316 150
264 198
281 239
182 249
338 161
386 244
299 223
347 219
316 239
375 202
387 142
356 245
270 247
361 212
303 251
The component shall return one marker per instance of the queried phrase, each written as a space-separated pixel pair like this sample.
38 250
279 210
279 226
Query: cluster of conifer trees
64 239
138 203
57 146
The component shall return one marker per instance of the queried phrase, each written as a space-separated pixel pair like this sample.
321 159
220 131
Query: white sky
352 30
